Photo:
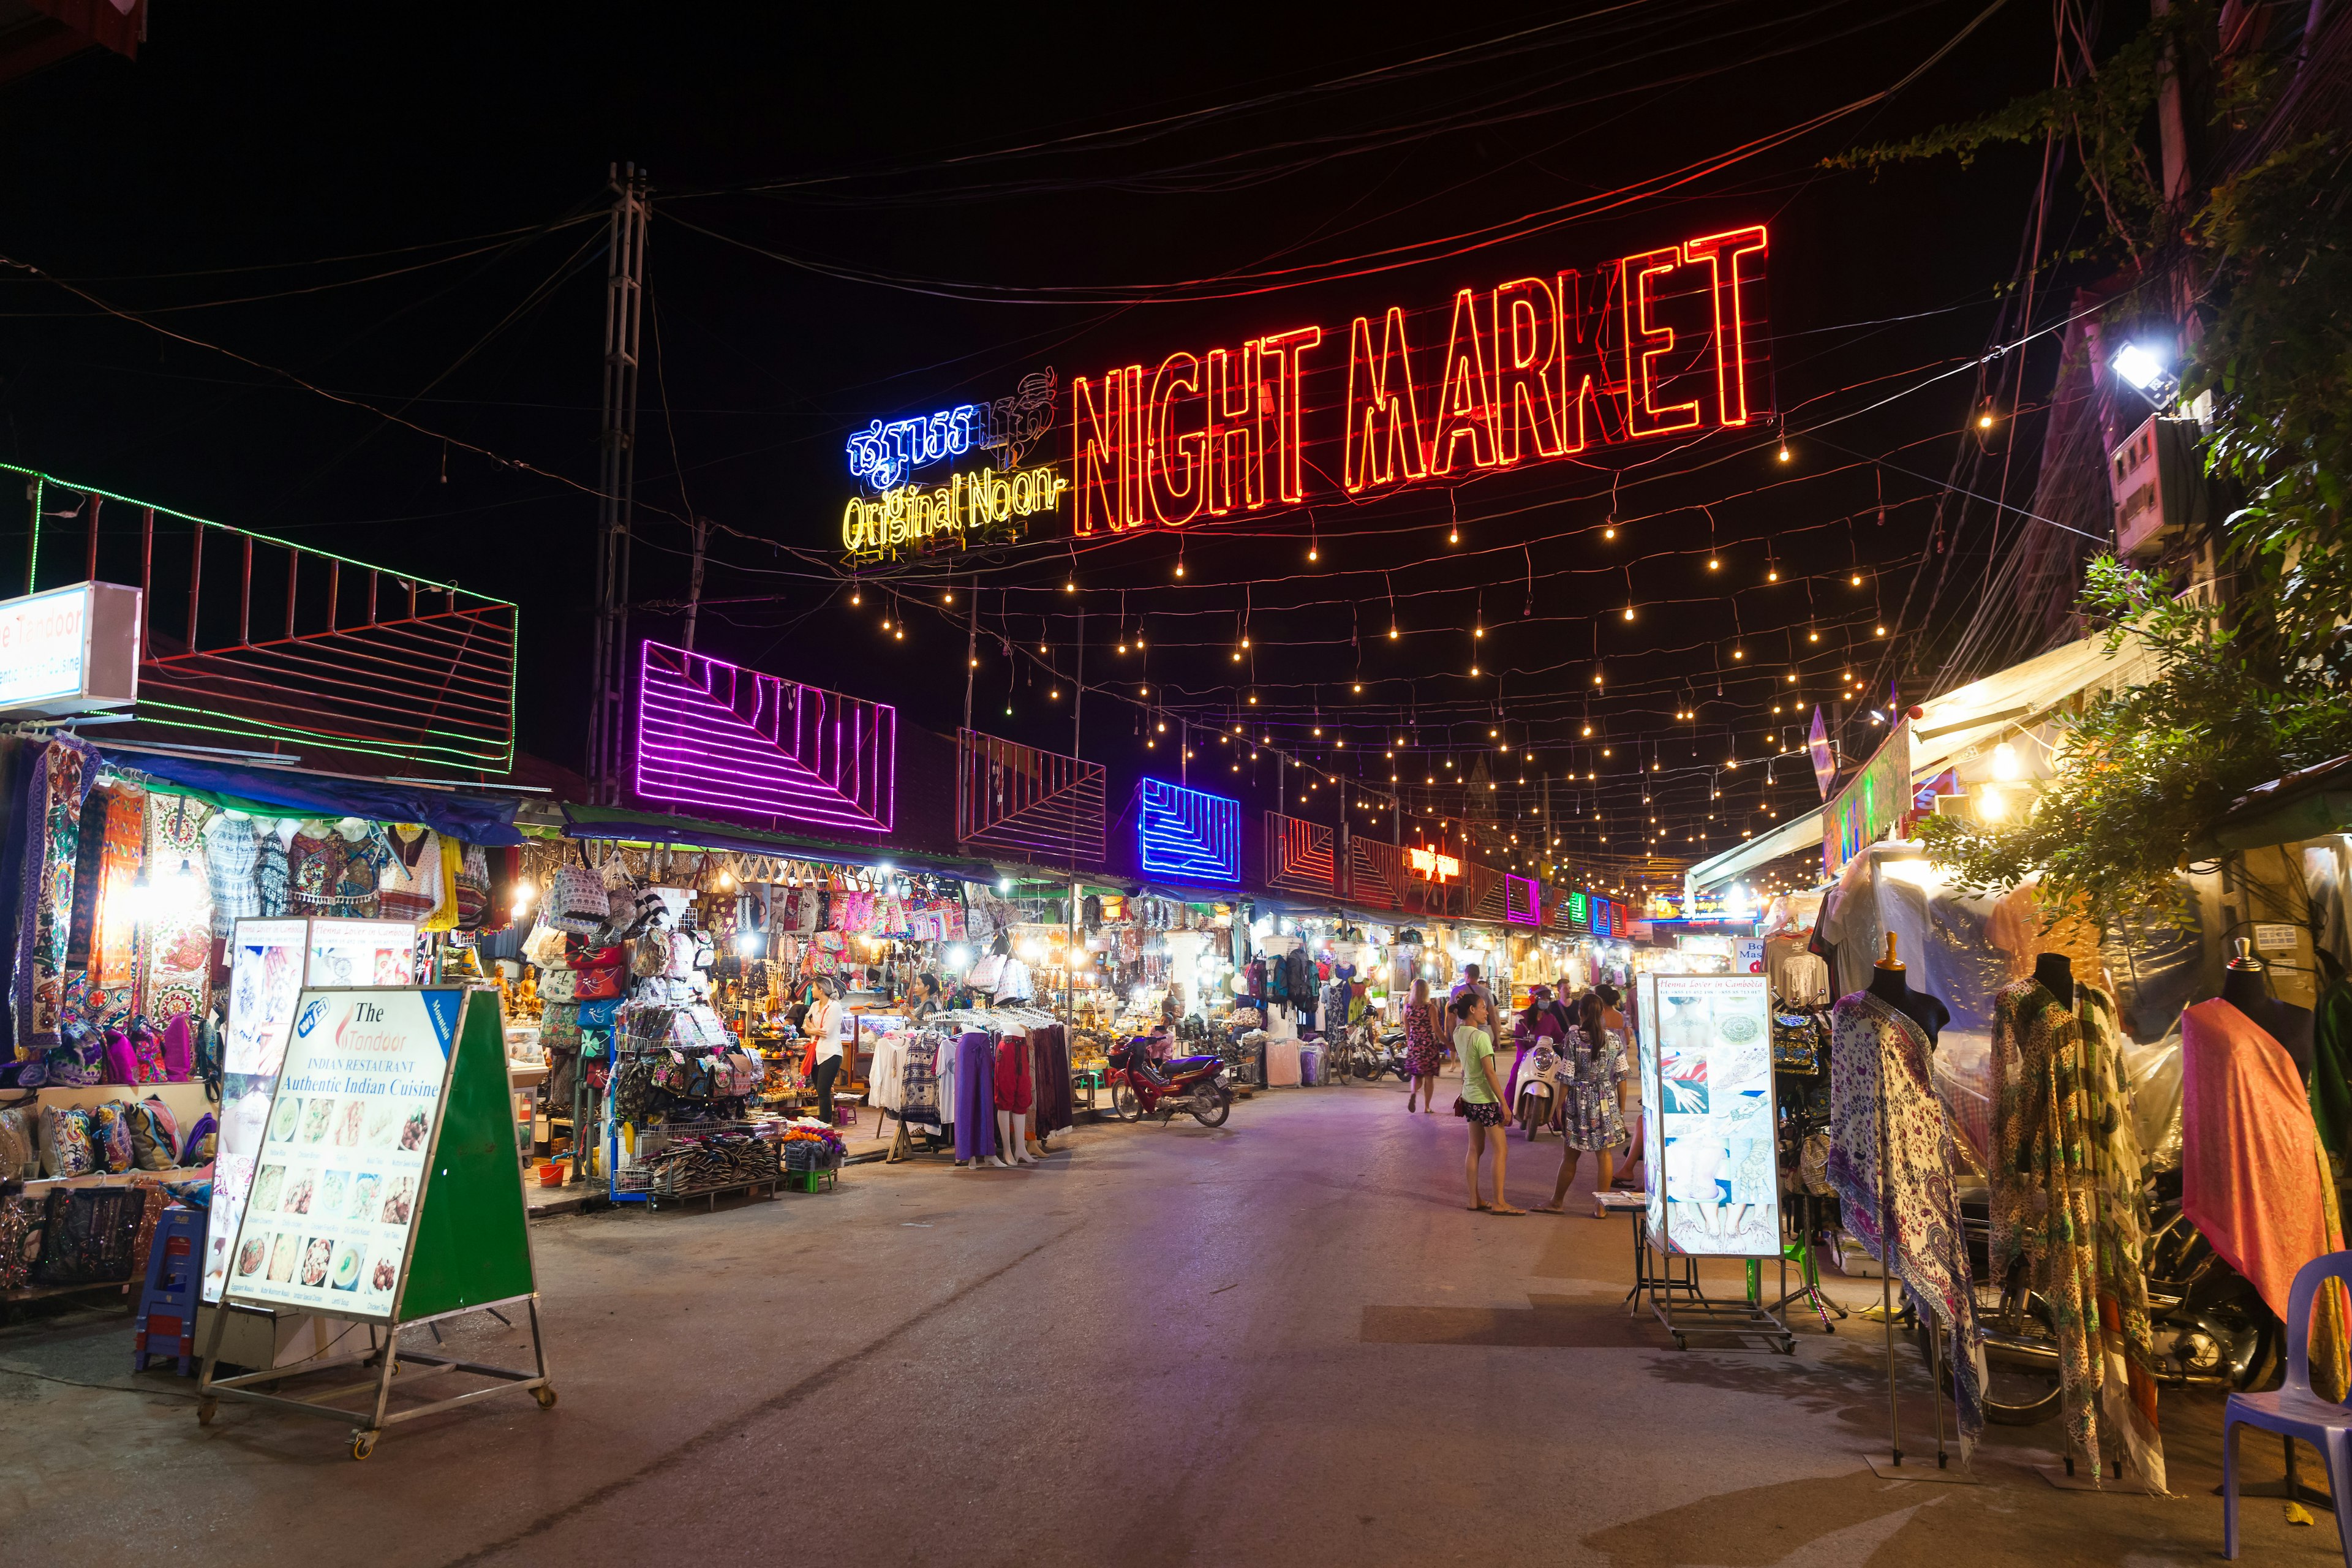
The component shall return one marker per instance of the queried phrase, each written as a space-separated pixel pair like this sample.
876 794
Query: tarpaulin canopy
288 792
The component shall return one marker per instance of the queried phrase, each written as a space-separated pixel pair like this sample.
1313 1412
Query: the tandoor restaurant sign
1665 343
69 650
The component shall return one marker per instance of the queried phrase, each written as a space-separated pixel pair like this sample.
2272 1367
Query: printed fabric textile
2065 1174
180 943
918 1082
54 798
114 946
1879 1085
975 1101
1591 1118
2252 1175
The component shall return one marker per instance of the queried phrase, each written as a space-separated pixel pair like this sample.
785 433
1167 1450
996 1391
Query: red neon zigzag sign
1534 368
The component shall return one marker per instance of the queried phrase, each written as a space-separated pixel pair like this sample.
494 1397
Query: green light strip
40 478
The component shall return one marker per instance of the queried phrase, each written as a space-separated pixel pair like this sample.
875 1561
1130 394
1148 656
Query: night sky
405 208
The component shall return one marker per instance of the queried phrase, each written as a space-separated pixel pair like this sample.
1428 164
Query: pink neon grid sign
713 736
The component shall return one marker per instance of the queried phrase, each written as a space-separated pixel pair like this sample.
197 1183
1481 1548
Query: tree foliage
2142 772
2261 685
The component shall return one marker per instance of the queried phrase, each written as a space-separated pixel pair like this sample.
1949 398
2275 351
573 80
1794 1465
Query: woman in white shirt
824 1027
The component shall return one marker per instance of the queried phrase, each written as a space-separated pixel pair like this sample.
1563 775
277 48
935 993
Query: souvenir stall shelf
732 946
130 889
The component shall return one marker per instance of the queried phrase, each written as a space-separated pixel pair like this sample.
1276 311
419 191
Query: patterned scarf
2065 1197
1879 1074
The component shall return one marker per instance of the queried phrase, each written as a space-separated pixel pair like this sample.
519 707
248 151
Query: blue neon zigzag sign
1189 833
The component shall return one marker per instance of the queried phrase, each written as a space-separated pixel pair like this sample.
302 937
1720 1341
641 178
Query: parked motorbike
1140 1086
1367 1052
2209 1327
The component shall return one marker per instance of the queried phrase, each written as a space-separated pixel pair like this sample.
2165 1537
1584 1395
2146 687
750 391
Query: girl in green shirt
1481 1097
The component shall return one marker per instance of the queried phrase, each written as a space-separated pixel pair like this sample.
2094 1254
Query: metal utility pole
616 476
701 527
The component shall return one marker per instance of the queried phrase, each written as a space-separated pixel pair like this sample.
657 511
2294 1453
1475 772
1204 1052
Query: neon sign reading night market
1526 369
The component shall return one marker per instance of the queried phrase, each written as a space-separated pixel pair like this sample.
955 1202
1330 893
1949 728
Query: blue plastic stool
167 1308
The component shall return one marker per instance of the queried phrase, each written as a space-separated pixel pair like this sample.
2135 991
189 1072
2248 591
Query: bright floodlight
2141 365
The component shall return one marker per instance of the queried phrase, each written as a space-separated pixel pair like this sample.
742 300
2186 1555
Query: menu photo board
1708 1156
342 1171
265 968
363 952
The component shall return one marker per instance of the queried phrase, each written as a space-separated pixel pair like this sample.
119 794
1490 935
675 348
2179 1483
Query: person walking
1423 1048
1595 1096
1482 1098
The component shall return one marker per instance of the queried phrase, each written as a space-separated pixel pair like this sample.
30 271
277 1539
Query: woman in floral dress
1423 1048
1593 1112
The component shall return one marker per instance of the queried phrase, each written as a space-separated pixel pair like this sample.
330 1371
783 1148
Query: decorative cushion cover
155 1136
67 1148
110 1137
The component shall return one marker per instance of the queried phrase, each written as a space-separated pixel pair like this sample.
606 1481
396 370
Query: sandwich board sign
387 1189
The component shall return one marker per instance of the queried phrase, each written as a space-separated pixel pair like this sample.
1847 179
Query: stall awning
273 791
693 833
1797 833
2020 696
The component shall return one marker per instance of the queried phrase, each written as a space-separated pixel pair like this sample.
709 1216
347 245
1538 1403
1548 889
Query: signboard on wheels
1708 1165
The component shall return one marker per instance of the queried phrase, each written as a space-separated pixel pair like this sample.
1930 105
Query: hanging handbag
578 902
558 984
596 984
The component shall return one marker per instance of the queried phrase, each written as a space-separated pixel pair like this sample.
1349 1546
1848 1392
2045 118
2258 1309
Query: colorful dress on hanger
2065 1174
1882 1094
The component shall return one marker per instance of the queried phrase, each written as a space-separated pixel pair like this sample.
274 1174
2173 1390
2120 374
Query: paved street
1282 1341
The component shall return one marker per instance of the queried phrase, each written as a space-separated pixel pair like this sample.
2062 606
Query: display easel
467 1248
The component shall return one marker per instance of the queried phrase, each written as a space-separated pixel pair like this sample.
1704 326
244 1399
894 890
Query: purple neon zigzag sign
712 736
1522 899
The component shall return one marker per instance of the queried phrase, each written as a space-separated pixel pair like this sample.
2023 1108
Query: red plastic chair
2294 1411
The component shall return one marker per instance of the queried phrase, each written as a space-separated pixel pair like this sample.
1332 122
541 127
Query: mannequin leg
1023 1149
1005 1124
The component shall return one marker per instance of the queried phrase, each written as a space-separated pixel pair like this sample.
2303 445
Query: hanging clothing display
2331 1070
975 1104
2253 1178
232 846
1015 1071
918 1088
1882 1098
2065 1174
